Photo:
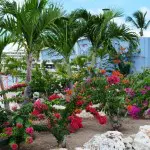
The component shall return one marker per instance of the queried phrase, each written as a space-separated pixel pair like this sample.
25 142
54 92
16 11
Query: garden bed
46 141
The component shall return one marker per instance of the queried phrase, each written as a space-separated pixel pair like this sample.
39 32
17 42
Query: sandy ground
45 141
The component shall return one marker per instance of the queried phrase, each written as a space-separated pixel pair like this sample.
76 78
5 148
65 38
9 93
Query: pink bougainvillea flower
29 140
143 92
14 146
134 112
29 130
8 131
130 92
147 88
53 97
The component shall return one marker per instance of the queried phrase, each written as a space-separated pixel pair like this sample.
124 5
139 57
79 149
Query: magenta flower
29 130
143 92
134 112
130 92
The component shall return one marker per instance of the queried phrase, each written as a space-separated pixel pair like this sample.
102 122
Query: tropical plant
4 41
70 30
102 31
31 24
139 21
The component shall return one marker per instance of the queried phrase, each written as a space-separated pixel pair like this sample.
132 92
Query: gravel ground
45 141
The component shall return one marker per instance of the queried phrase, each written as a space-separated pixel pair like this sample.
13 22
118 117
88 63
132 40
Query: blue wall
139 60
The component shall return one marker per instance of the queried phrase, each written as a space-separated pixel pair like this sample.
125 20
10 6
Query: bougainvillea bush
18 127
107 91
138 95
62 119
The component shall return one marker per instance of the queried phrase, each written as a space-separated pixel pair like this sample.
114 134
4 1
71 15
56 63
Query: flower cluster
14 146
75 123
133 110
29 131
53 97
101 119
39 107
8 131
130 92
16 86
113 79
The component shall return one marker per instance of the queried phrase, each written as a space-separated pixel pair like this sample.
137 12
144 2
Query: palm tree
31 24
139 21
70 30
4 41
101 30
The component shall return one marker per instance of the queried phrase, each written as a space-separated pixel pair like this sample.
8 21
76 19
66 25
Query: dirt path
45 141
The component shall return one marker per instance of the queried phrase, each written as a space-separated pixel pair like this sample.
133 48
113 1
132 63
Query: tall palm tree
70 30
4 41
139 21
102 31
30 24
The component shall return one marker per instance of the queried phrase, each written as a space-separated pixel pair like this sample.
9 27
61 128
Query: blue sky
96 6
128 6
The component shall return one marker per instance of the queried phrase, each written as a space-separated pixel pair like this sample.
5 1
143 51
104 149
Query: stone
111 140
141 141
85 114
59 149
79 148
145 129
128 142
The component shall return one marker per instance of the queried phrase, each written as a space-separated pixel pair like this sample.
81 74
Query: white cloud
95 11
145 9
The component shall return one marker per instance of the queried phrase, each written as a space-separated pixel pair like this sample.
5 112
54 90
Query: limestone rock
141 141
111 140
145 129
128 142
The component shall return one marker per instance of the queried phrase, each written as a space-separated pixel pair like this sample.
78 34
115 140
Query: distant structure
140 60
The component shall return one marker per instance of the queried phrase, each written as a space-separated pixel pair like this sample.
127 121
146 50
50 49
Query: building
140 60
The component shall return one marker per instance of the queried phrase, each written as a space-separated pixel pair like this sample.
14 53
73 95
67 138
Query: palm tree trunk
141 32
69 72
93 63
27 92
6 105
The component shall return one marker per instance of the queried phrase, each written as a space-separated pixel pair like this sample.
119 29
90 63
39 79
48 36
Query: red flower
29 140
14 108
113 80
75 123
41 116
5 124
8 131
35 112
44 107
102 119
93 111
57 115
19 125
79 102
53 97
14 146
102 71
29 130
